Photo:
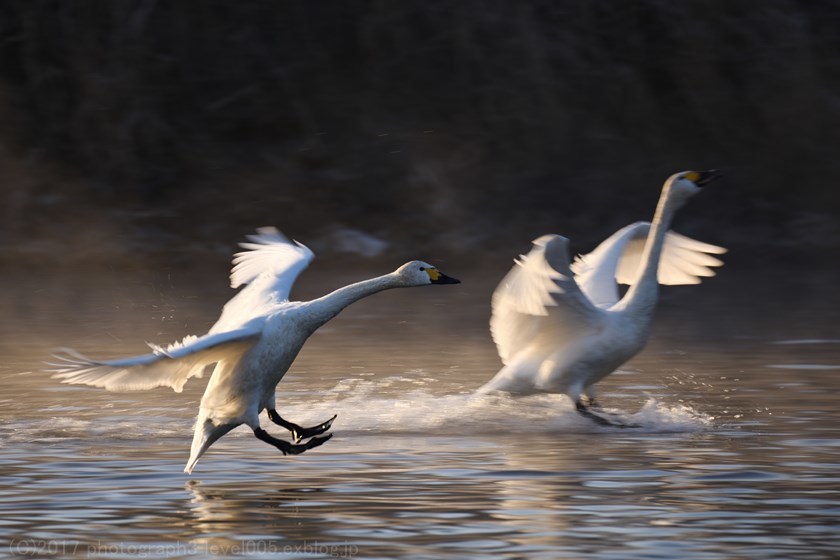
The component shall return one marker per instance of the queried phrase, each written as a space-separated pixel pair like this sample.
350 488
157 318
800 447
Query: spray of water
390 405
393 405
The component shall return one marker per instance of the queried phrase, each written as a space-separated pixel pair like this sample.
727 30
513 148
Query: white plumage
252 345
618 258
560 327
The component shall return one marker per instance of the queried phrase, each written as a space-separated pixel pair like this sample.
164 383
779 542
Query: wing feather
540 298
163 367
617 259
268 268
270 253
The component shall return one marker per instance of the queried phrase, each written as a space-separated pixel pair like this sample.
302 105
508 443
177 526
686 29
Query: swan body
560 327
253 344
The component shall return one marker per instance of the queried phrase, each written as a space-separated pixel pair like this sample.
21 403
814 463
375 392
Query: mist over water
735 455
140 141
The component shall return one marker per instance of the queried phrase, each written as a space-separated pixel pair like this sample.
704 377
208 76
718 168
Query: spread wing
617 259
267 268
539 298
168 367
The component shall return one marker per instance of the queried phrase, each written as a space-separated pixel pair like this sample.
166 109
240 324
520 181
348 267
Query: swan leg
584 411
290 448
299 433
589 394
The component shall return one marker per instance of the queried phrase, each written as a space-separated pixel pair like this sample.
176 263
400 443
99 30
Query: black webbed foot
298 448
299 432
584 411
290 448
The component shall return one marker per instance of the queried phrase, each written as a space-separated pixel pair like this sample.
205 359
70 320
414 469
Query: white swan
256 339
561 328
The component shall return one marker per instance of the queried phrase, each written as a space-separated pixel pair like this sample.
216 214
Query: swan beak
706 177
438 277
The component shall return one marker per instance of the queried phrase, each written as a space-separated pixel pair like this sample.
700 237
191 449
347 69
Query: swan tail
515 378
206 434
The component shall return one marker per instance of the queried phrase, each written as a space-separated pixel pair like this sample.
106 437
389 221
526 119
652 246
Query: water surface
737 456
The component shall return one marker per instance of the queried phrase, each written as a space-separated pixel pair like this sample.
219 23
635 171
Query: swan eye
422 268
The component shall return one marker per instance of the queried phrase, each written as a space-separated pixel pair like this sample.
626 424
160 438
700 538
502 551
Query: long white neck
326 307
642 295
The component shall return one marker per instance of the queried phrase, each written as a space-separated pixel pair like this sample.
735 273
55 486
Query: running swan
561 328
256 339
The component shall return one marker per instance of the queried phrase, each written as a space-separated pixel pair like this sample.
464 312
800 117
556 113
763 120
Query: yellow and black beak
438 277
703 178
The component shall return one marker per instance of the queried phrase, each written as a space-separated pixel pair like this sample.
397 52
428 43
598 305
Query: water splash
404 405
389 405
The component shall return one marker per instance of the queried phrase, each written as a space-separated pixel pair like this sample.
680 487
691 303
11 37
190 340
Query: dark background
134 127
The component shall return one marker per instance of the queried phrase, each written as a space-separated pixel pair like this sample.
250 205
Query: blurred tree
462 123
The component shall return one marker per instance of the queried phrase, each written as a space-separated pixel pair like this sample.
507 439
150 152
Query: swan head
419 273
682 186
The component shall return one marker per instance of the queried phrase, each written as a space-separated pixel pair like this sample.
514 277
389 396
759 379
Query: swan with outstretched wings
560 326
251 346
